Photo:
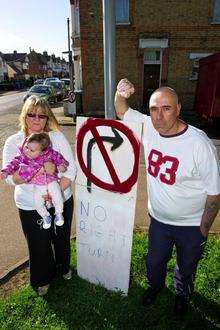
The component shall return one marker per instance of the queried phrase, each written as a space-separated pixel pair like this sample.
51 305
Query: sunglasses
34 115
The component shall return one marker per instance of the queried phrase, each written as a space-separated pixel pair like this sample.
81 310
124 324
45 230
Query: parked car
65 89
59 87
46 92
50 79
66 82
39 82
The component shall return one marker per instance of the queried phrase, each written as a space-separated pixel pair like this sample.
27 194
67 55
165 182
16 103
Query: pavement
13 249
4 93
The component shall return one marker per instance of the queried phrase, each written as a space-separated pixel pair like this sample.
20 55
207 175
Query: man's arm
124 90
121 105
212 206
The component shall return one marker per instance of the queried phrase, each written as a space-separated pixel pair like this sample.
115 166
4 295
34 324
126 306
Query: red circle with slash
117 186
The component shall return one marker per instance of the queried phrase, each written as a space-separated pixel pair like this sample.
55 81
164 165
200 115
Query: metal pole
109 56
70 56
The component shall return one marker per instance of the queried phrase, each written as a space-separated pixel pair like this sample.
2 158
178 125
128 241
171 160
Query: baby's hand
47 197
125 88
61 168
3 175
49 168
41 171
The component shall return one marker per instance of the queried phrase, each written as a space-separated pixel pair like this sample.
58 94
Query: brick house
157 43
37 64
44 65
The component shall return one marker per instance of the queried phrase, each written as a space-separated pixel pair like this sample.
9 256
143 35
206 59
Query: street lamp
69 52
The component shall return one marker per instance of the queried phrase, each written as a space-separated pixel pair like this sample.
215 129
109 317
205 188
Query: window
76 23
195 57
122 11
25 66
216 12
152 56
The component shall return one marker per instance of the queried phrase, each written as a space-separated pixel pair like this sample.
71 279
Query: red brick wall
186 24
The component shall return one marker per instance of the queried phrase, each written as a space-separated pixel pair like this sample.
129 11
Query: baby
35 151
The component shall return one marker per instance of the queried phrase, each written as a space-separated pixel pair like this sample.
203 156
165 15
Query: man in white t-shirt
183 186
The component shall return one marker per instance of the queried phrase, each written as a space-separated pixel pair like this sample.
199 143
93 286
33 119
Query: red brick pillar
165 63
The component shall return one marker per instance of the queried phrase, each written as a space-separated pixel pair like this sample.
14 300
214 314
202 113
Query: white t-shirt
181 171
24 193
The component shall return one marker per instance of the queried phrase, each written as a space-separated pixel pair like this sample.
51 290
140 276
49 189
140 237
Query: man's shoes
47 222
59 221
181 305
68 275
42 290
149 297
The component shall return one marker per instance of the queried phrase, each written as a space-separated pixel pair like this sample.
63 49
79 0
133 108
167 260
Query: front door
151 82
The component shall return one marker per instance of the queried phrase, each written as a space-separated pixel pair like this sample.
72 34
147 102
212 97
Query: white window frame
153 43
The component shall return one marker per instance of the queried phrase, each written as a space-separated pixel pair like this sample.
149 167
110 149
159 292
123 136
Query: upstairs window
76 20
216 12
122 11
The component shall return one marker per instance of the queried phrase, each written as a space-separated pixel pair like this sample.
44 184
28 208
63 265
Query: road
10 107
11 101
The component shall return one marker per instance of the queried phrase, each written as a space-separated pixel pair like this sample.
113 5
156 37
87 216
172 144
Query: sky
39 24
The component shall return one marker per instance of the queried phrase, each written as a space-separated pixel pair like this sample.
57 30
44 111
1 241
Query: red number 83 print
156 159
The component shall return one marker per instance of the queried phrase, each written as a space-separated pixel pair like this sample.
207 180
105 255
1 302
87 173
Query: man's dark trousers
189 243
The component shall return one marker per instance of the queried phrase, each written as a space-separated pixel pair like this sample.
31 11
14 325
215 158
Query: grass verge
77 304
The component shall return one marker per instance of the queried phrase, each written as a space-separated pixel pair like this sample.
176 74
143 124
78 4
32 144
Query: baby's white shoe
59 221
47 222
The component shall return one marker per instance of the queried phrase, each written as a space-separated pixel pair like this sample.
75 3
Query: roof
17 70
15 57
37 57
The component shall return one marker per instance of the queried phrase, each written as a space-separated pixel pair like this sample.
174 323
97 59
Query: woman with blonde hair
49 250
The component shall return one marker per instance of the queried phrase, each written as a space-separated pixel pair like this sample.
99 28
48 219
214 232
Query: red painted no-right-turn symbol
91 126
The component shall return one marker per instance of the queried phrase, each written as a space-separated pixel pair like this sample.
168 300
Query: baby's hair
41 138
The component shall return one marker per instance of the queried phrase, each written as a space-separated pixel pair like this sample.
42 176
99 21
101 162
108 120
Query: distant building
38 65
3 68
44 65
157 43
17 65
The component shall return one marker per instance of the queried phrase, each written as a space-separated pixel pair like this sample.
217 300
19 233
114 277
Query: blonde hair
32 104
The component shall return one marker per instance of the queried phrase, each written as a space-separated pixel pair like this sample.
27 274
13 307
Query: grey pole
109 56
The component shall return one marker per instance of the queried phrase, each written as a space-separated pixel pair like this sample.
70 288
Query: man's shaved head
168 90
165 110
